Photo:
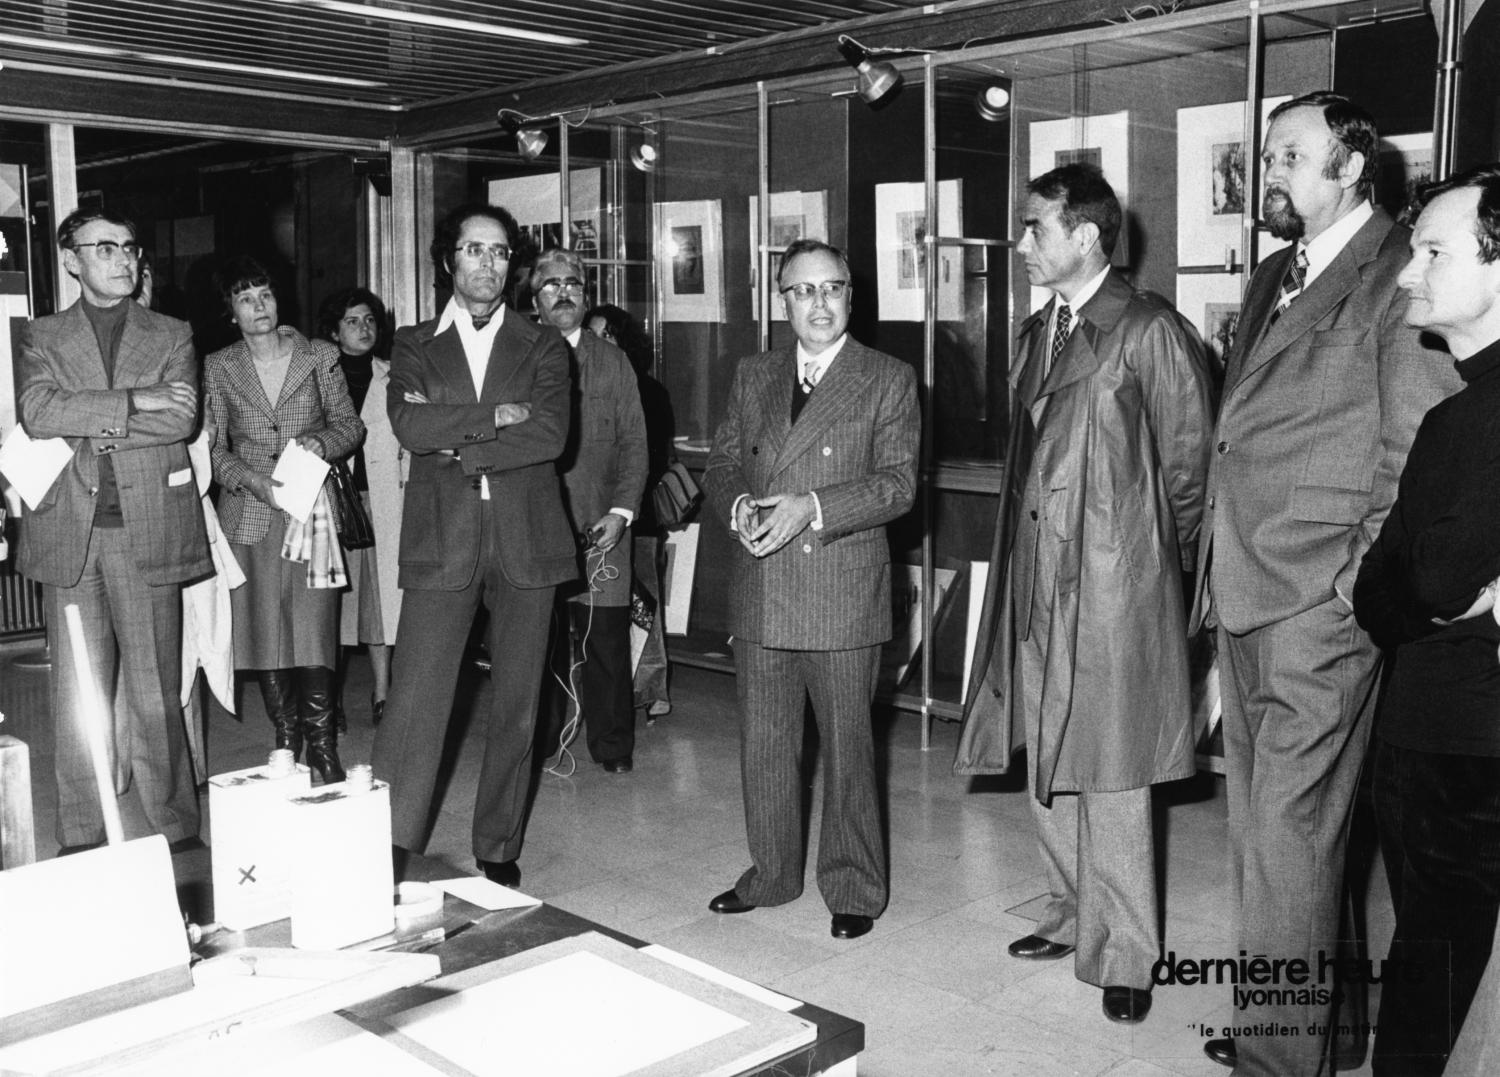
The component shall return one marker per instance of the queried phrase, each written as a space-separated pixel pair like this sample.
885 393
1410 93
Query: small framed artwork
1213 181
901 251
794 215
1405 166
690 260
1211 301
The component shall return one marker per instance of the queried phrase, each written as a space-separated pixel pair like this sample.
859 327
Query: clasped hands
766 524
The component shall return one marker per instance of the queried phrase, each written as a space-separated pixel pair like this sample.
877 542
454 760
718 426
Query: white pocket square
180 478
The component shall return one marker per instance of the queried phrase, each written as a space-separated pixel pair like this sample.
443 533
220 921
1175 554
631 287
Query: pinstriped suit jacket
855 445
63 392
314 399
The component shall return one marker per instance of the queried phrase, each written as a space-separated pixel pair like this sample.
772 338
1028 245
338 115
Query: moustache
563 303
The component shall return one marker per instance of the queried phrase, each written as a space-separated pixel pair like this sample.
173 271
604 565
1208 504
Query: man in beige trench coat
1083 642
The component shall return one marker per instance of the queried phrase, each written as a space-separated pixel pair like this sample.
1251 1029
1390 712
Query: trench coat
1118 438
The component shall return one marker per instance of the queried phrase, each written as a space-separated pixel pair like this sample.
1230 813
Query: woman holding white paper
286 615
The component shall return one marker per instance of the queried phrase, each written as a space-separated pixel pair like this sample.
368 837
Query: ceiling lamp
878 79
644 156
530 141
992 102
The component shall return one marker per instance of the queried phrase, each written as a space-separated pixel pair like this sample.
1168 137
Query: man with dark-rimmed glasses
480 397
121 528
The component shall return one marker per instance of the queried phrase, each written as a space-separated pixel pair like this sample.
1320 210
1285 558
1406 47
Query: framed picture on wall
1212 180
1102 141
535 201
901 251
690 260
1211 301
1405 165
794 215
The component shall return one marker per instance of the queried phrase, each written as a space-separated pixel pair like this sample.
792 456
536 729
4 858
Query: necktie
1059 337
1291 285
481 322
810 377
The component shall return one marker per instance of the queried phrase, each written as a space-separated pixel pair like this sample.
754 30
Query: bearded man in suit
1086 644
1324 387
817 452
121 528
604 475
480 397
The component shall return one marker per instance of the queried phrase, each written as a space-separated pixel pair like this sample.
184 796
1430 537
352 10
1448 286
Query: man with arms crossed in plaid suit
121 528
817 452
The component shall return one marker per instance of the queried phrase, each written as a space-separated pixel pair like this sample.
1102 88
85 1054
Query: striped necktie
1291 285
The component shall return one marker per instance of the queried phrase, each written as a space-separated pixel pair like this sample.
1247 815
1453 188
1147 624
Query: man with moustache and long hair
1324 387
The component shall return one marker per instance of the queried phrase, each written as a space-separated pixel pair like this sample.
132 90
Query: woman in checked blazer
286 616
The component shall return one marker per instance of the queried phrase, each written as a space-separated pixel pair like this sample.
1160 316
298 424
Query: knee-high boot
279 691
315 704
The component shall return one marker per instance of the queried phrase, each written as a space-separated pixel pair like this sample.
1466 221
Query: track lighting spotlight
644 156
993 102
530 141
878 79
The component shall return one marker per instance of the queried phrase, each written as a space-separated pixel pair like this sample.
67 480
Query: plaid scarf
316 543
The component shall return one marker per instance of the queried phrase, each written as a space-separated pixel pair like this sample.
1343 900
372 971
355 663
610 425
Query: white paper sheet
301 474
529 1019
31 465
477 890
719 976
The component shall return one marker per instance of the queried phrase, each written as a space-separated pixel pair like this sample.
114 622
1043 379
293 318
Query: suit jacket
855 445
1319 411
251 432
1108 461
604 463
441 523
64 392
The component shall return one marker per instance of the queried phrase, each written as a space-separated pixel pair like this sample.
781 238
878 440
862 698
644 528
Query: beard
1281 216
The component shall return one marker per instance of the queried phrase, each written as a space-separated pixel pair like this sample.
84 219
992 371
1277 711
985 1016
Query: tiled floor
644 852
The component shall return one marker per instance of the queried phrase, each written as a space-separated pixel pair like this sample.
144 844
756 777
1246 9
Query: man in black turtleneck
1425 593
121 528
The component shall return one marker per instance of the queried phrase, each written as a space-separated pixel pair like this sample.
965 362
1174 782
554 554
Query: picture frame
690 260
1212 180
1211 301
901 251
1405 165
794 215
535 201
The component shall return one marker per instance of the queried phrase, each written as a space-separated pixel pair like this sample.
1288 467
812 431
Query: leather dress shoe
1036 948
1222 1051
504 872
617 766
729 902
70 850
851 925
377 709
190 844
1127 1005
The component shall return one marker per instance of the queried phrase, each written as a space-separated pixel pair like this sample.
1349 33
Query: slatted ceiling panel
410 64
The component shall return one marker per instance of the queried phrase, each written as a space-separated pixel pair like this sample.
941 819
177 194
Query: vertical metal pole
405 272
925 472
62 183
1252 145
1445 106
564 186
763 215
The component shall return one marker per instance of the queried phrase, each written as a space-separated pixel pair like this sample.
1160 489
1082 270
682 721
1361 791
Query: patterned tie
1059 337
481 322
1291 286
810 376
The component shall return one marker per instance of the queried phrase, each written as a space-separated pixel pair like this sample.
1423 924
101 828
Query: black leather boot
279 690
315 704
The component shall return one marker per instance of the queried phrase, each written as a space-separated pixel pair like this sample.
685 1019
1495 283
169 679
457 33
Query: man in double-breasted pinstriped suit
1324 388
817 452
480 397
121 529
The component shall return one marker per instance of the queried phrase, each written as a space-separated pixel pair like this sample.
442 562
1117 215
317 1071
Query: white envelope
32 466
301 474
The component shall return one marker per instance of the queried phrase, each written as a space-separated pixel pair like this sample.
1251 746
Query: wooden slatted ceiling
303 47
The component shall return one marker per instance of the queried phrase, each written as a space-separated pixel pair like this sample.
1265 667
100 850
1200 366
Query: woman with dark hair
355 320
271 386
615 325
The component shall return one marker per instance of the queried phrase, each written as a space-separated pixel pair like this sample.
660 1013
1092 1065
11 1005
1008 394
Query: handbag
675 496
350 519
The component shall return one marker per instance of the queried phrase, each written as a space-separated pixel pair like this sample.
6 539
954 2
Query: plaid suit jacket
855 445
251 432
64 392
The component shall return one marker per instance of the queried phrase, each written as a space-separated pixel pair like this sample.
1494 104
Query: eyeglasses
830 290
106 250
475 252
553 285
